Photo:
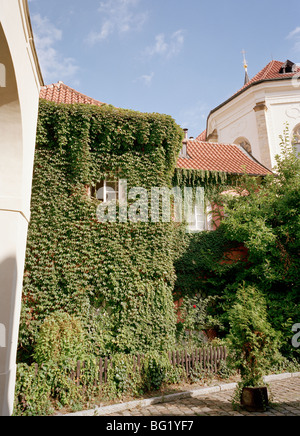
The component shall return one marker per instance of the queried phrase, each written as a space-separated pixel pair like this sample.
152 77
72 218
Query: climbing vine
117 278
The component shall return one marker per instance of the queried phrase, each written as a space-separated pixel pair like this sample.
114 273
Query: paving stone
285 402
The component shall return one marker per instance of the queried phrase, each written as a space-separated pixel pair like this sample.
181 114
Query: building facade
256 115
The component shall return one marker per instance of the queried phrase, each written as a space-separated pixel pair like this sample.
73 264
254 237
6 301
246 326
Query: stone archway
11 141
20 82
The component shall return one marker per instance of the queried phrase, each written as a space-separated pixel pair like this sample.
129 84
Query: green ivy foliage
61 337
265 222
116 278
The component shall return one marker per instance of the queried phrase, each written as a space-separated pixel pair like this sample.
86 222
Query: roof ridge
220 157
268 68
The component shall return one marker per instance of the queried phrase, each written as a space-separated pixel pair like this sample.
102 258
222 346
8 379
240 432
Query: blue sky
178 57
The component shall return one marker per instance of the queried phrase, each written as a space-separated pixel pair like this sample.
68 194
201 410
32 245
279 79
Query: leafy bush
253 343
41 390
33 391
154 370
194 317
61 338
266 224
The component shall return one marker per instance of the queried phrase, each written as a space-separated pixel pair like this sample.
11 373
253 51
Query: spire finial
247 80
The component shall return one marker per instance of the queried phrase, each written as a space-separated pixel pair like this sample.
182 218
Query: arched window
296 138
243 142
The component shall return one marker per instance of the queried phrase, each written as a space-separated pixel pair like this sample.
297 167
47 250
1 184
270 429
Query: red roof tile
202 136
271 72
227 158
61 93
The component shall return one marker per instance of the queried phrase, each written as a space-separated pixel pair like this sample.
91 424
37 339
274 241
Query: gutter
31 41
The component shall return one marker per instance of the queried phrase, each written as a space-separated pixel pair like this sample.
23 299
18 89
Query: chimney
183 152
186 133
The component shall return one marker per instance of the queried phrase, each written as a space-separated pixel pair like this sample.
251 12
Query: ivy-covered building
200 162
118 276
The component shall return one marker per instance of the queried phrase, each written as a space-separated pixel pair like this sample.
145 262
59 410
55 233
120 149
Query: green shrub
253 343
41 390
33 391
61 338
155 368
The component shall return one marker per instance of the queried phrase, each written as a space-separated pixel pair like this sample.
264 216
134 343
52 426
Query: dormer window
288 67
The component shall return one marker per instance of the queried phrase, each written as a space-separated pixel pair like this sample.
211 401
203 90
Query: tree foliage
261 215
253 342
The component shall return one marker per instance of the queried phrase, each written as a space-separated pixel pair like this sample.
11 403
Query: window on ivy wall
201 219
106 190
296 138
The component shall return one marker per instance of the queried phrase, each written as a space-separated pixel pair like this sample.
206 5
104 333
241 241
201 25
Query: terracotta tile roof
271 72
227 158
202 136
61 93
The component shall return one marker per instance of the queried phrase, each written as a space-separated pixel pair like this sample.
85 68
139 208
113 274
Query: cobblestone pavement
284 401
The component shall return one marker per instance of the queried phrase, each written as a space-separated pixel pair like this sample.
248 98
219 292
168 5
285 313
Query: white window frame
201 222
105 188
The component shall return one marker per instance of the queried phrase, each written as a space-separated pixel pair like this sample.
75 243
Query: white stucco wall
20 82
237 117
283 107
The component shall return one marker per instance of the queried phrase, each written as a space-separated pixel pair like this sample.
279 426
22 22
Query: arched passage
20 82
11 222
11 141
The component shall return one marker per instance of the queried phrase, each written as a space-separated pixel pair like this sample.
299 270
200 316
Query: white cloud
53 64
146 79
294 35
166 48
118 16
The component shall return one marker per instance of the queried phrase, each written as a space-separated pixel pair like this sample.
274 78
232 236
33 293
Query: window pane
112 185
111 194
100 191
